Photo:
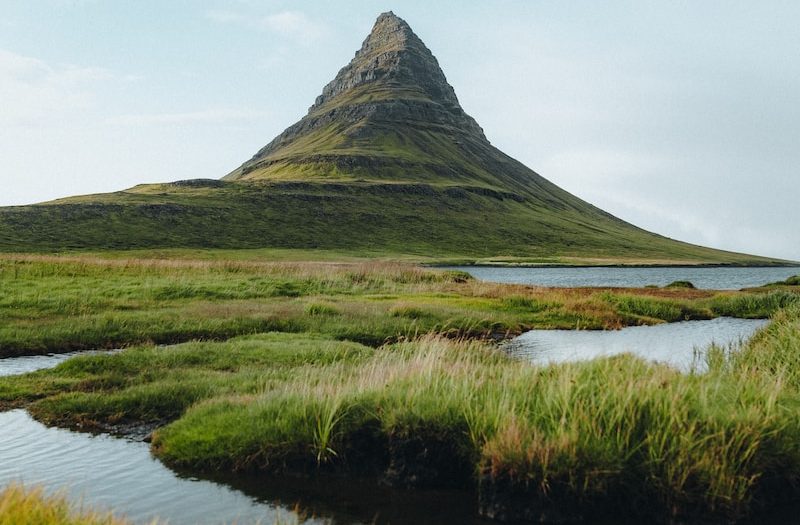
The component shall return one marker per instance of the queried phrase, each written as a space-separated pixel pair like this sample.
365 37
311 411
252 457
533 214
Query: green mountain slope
386 161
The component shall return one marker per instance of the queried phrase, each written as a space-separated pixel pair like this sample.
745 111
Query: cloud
32 90
295 25
208 116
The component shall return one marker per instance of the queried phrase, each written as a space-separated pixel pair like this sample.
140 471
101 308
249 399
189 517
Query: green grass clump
154 384
645 308
592 433
791 281
755 305
19 506
681 284
321 309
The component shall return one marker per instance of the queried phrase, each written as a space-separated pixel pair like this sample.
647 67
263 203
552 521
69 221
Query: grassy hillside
435 221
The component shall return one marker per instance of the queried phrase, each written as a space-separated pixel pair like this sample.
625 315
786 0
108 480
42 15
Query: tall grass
344 381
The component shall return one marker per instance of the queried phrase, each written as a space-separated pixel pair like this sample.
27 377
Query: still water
708 278
114 473
118 474
678 344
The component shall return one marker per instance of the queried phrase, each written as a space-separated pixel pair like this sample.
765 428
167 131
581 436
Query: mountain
385 161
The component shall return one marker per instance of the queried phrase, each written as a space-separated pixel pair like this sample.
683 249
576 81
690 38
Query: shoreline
610 265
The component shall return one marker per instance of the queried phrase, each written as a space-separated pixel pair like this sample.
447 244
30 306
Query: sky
681 117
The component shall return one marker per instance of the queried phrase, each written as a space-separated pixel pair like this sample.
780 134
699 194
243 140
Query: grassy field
383 368
59 304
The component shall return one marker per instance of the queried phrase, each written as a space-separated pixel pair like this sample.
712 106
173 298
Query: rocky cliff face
394 55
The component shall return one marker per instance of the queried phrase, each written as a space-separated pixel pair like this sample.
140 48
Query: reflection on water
707 278
676 344
118 474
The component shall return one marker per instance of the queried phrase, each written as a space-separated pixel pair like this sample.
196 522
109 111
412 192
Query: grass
382 368
791 281
58 304
609 435
19 506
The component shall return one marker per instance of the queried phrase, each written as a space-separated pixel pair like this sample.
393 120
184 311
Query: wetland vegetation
389 369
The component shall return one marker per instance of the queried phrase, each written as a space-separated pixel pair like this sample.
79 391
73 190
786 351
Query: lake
725 278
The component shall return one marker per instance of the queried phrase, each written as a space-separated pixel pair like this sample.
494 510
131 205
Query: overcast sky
680 117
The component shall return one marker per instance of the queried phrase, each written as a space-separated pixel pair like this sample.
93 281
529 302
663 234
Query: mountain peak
395 56
390 104
390 22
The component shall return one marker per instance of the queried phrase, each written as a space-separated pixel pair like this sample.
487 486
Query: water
117 474
708 278
676 344
19 365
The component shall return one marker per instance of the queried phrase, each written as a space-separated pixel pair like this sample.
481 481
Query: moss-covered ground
423 220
